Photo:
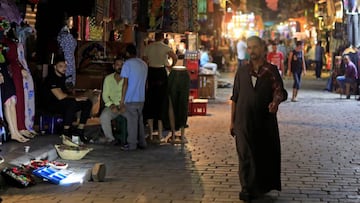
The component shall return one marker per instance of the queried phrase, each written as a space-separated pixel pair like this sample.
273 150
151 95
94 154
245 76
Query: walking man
241 51
258 90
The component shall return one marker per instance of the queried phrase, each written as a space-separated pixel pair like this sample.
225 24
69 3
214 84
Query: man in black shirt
58 99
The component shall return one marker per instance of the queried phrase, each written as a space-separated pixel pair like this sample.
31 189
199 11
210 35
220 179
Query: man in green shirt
111 95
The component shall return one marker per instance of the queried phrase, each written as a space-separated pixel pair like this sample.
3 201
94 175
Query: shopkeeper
156 56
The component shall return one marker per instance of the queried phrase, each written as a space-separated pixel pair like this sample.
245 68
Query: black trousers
68 108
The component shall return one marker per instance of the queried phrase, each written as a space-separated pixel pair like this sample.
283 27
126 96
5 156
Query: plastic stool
50 124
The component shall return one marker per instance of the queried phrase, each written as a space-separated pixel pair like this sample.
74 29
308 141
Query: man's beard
60 73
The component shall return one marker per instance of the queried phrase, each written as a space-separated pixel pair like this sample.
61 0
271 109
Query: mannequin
178 89
18 72
9 101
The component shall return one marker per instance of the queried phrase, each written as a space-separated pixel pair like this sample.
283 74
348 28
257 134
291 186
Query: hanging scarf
202 6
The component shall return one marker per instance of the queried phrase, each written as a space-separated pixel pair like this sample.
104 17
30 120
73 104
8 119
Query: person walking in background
297 67
254 122
134 74
241 51
282 48
319 59
276 58
156 56
111 95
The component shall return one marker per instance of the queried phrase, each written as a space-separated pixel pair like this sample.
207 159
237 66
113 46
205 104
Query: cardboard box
207 86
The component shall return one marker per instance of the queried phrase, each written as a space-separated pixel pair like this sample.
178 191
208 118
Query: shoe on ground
127 148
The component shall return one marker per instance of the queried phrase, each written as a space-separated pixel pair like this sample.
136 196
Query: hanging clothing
68 44
202 6
126 11
178 90
23 32
29 92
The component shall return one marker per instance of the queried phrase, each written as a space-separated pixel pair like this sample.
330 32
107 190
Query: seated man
111 95
205 61
59 100
350 77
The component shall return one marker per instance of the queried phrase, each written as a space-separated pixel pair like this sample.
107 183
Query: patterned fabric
29 93
68 45
126 11
156 14
202 4
180 16
99 11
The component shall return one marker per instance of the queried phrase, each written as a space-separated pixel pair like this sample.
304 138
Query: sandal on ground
20 138
26 134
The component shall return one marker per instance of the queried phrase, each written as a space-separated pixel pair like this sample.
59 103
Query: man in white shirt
241 51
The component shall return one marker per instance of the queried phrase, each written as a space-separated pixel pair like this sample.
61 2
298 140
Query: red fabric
210 6
228 17
16 68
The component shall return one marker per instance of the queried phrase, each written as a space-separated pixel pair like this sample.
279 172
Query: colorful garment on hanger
156 14
29 93
68 44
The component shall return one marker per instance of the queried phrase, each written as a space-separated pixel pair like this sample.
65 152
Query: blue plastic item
52 175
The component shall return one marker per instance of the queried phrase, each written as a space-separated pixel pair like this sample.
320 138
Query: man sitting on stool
111 95
59 99
205 61
350 76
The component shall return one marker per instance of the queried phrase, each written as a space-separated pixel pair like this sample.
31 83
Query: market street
320 159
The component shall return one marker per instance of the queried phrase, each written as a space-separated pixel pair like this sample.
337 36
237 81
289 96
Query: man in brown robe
258 91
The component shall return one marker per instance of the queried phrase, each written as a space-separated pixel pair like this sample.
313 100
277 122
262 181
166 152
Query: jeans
342 80
297 80
353 29
135 124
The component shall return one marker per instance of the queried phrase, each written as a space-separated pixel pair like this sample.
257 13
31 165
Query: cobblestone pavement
320 159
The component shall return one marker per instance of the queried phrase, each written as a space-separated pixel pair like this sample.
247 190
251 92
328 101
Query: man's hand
232 132
81 98
273 107
113 108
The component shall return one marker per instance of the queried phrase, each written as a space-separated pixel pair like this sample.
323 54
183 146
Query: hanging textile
142 20
99 11
194 23
210 6
135 8
102 10
181 17
126 11
168 16
202 4
156 14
